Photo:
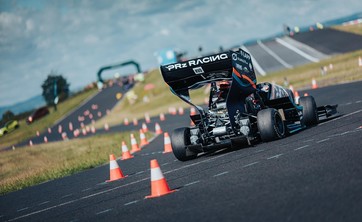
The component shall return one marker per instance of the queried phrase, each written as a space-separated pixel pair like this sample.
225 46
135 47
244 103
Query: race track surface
314 175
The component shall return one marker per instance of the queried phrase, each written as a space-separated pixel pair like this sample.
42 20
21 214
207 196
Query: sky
77 37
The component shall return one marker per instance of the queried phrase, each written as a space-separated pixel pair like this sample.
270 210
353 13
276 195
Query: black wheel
270 125
180 139
310 112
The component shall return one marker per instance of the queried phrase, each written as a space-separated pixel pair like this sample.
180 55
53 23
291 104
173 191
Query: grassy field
26 131
357 28
25 167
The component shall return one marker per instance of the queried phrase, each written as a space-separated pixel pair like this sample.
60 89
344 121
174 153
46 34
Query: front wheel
180 139
270 125
310 112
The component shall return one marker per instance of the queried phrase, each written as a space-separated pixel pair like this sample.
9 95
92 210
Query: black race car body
240 111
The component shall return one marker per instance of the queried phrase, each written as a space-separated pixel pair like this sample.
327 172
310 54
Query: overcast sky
76 38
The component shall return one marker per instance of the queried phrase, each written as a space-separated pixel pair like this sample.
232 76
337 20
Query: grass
26 131
356 28
33 165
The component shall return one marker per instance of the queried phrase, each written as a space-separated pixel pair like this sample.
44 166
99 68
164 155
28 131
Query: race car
240 112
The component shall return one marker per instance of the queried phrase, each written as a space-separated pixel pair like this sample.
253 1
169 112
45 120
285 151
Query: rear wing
200 71
197 72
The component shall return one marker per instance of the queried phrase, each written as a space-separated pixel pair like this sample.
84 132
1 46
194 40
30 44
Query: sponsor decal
198 70
195 62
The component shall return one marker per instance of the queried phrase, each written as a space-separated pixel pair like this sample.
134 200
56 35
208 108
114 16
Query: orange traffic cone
126 122
296 96
147 118
135 147
125 152
144 127
49 130
70 125
158 129
159 186
135 122
30 143
192 111
115 173
106 126
180 111
162 117
143 138
359 61
314 84
45 139
167 142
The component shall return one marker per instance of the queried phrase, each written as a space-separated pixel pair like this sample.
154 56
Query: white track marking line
45 202
358 101
22 209
109 190
105 211
255 62
86 189
324 140
302 147
65 196
140 172
165 164
192 183
270 52
341 117
220 174
259 151
132 202
275 156
250 164
296 50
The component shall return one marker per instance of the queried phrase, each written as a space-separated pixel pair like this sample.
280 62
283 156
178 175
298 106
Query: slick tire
180 139
310 112
270 125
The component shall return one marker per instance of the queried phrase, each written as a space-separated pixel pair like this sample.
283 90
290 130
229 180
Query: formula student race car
240 111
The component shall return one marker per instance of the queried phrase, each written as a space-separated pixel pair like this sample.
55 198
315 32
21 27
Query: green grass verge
26 131
29 166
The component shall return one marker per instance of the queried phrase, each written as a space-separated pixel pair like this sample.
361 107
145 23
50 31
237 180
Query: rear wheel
270 125
180 139
310 112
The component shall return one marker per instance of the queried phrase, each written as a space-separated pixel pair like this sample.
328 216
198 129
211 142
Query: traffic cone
359 61
291 88
192 111
180 111
60 129
45 139
93 129
147 118
115 173
167 142
158 129
296 97
314 84
162 117
84 132
99 113
143 138
159 186
30 143
125 152
144 127
64 136
70 126
126 122
135 122
49 130
135 147
106 126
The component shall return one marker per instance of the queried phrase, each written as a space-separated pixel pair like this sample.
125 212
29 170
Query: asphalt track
314 175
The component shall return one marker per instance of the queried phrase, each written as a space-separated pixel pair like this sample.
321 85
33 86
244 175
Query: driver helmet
224 85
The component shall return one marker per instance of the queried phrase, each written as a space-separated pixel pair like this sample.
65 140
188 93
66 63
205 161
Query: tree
8 115
55 88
